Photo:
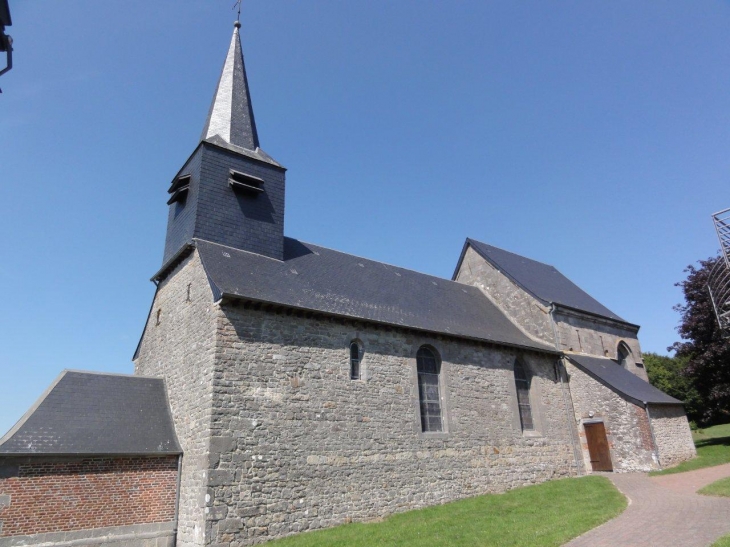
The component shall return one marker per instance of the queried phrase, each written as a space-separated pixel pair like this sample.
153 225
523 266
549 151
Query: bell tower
229 191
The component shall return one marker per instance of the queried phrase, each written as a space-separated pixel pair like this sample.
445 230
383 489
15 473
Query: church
280 386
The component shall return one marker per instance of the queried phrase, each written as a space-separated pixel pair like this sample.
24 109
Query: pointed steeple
231 113
229 191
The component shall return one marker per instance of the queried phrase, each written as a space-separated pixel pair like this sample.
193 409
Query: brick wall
57 496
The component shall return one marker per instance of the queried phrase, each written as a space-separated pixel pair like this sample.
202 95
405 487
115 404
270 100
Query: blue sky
594 136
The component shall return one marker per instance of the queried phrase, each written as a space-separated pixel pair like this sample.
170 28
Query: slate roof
620 380
231 112
541 280
322 280
87 413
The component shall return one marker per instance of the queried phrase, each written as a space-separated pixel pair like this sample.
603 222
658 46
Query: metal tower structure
718 282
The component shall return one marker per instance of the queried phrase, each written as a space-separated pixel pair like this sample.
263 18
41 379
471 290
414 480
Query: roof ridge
105 373
384 263
472 240
239 250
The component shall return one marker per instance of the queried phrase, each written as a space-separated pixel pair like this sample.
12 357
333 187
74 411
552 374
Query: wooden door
598 447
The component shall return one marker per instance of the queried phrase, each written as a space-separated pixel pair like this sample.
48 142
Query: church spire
231 113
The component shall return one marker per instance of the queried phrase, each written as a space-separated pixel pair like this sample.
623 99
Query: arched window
522 383
429 367
354 360
623 355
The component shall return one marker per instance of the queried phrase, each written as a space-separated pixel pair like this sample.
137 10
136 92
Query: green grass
715 432
548 514
722 542
713 448
717 488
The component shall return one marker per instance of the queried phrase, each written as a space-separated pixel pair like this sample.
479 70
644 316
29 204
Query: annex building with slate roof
281 386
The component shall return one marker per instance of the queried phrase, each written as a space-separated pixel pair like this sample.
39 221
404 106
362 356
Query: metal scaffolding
718 282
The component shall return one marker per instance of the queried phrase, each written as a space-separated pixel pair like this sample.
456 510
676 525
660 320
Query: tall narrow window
429 367
354 361
522 382
623 355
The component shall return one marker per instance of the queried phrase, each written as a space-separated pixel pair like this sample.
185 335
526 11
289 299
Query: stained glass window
522 383
354 361
429 367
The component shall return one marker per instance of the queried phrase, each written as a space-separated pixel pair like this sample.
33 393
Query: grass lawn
714 432
722 542
717 488
713 448
546 514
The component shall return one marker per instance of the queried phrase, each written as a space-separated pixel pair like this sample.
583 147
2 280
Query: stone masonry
672 433
295 444
531 315
590 335
627 426
631 435
574 331
179 344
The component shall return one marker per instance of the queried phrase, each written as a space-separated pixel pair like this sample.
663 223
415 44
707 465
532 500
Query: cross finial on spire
238 20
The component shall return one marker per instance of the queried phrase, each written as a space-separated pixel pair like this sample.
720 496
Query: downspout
568 408
177 499
655 452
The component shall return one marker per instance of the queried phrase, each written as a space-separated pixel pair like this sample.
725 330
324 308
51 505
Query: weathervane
238 4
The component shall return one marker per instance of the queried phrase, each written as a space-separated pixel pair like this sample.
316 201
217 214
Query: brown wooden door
598 447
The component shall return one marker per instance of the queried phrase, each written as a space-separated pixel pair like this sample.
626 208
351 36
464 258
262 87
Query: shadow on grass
724 441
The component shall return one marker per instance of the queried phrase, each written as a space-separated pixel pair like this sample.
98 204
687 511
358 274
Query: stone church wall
578 332
179 345
524 310
672 433
298 445
627 425
88 501
583 333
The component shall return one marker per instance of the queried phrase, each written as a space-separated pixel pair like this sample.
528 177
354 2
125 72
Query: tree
667 373
703 346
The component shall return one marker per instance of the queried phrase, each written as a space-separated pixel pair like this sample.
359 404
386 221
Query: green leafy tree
668 374
704 347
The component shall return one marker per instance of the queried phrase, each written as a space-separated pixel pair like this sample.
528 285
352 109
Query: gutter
177 499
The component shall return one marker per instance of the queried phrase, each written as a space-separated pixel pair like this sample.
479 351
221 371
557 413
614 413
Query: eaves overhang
222 297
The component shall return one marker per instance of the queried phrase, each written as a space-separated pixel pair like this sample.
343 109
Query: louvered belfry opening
179 189
229 191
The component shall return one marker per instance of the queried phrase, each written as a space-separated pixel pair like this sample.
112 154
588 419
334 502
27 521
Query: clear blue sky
594 136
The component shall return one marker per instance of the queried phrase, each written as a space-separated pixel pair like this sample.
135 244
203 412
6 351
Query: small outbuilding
94 461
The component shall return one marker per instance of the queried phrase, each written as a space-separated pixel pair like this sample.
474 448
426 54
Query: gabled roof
318 279
542 281
620 380
89 413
